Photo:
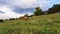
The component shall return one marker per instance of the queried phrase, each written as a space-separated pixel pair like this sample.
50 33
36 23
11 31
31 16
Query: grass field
44 24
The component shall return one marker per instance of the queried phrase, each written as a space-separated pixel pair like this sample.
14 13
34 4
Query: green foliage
45 13
12 19
55 8
26 15
1 20
37 11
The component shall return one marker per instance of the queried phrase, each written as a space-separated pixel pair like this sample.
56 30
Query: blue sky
17 8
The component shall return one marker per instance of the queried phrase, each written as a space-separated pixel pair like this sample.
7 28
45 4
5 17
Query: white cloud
23 3
27 3
42 3
8 13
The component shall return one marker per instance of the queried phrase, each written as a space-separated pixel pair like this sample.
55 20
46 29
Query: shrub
12 19
1 20
26 15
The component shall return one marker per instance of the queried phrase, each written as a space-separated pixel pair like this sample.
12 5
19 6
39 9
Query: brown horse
25 18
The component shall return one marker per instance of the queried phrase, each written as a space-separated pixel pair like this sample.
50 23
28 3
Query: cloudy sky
17 8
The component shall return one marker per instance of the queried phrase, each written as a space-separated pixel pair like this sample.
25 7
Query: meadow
44 24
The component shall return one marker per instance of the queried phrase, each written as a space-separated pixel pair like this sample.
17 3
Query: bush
45 13
26 15
1 20
12 19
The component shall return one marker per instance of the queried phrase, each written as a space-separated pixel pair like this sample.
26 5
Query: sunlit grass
44 24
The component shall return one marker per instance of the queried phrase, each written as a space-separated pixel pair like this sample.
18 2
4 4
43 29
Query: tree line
54 9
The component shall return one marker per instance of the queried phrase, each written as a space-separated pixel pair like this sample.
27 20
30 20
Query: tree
37 11
55 8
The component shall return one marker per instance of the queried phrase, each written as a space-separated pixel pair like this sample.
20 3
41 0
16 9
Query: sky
18 8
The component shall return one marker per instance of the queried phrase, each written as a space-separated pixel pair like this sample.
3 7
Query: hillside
44 24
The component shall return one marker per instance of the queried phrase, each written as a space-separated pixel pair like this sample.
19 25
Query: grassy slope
44 24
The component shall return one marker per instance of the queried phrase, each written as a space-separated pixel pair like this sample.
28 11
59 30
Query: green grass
44 24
